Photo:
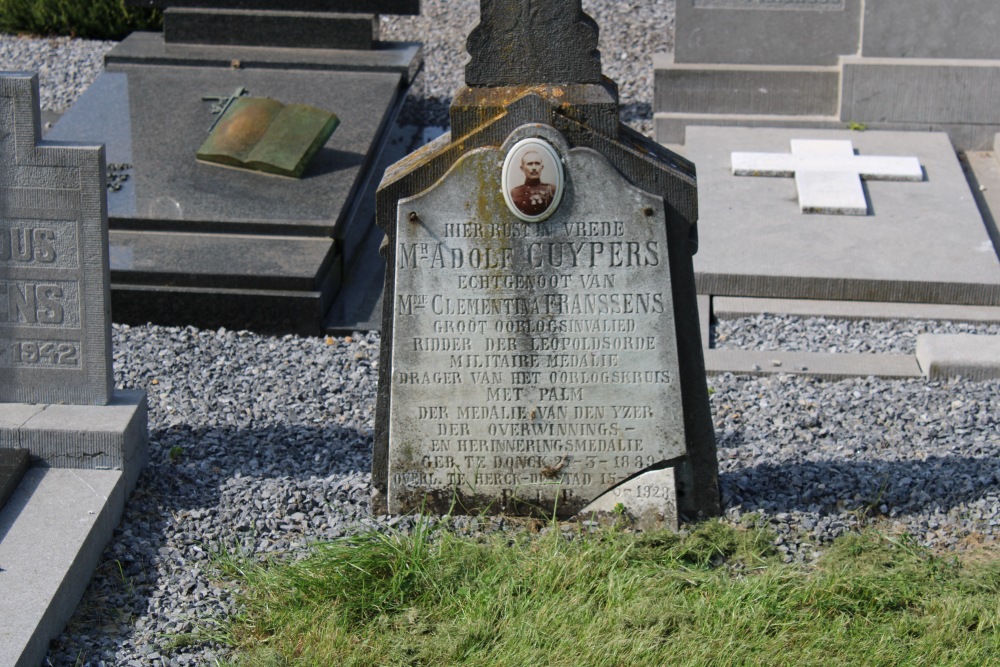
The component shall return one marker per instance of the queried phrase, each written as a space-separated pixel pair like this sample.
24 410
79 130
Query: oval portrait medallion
532 180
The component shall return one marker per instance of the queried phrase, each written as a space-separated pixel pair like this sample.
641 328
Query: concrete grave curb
937 355
970 356
52 533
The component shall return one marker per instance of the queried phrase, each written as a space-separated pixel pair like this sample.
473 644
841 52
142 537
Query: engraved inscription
800 5
534 363
19 353
54 317
38 243
39 303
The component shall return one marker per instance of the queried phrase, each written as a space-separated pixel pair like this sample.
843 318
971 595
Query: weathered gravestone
57 397
194 243
916 237
540 350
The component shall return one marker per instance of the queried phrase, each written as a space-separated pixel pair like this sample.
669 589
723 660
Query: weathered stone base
110 437
61 515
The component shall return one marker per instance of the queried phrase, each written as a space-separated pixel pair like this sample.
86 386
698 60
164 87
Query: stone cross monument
540 343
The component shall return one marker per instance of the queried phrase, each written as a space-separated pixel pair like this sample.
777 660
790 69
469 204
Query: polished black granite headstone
200 244
328 24
13 464
362 6
286 29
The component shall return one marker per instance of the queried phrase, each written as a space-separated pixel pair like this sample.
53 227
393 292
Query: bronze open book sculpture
261 134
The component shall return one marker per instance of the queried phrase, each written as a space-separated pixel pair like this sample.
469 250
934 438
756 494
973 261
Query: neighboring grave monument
828 173
57 397
885 64
541 352
195 244
919 240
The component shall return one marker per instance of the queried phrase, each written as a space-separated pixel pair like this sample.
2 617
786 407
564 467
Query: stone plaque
55 324
534 363
932 29
766 32
811 5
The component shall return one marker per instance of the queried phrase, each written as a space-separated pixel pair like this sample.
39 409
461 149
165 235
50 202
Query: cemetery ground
860 516
860 521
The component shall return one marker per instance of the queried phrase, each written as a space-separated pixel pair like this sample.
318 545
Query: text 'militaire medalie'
534 362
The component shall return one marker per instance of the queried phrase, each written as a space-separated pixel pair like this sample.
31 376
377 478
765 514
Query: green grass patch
90 19
718 596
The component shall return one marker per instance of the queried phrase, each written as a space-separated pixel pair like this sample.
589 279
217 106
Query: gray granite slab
671 128
275 312
255 282
736 307
766 32
534 364
221 260
169 121
199 244
921 92
792 90
983 172
55 322
86 437
817 364
12 417
923 242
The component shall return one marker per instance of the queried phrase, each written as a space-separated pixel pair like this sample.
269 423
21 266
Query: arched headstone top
526 42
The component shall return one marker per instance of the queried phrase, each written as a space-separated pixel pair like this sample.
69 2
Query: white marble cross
828 174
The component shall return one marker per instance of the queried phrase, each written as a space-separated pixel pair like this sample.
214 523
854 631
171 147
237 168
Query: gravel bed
261 445
821 334
65 66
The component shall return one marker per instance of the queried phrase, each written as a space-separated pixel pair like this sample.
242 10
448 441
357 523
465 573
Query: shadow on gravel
201 491
425 111
826 488
635 111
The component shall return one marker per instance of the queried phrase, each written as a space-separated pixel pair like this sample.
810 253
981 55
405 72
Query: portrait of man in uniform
532 180
534 196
